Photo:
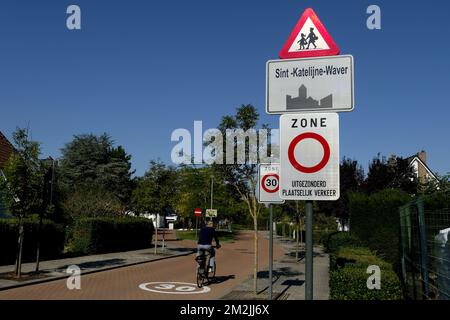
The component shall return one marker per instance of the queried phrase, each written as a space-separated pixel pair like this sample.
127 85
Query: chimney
422 156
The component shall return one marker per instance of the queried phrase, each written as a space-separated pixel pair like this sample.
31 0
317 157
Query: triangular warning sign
309 38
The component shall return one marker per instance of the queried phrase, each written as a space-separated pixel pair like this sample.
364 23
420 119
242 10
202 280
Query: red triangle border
333 48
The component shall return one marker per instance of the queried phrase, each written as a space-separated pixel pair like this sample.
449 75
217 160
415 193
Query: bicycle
204 276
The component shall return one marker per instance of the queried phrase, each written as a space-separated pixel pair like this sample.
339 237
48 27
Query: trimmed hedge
337 240
361 257
437 201
103 235
375 220
279 229
350 283
348 276
52 240
320 237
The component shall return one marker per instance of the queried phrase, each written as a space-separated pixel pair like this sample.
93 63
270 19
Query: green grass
224 236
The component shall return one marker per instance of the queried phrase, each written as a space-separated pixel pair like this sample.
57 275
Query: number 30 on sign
269 183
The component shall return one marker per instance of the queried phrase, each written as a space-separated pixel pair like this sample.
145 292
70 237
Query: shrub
52 240
283 226
348 276
91 202
320 237
437 200
340 239
101 235
350 283
375 220
357 257
349 260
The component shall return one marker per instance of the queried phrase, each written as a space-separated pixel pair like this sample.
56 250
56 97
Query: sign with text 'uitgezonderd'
309 156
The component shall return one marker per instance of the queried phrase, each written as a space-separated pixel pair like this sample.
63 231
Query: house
6 149
419 164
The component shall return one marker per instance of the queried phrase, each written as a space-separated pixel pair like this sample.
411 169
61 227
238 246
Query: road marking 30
173 287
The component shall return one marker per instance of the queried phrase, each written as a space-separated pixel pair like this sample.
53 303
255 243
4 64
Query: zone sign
309 155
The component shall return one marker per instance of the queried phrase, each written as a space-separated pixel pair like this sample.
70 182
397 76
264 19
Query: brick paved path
234 261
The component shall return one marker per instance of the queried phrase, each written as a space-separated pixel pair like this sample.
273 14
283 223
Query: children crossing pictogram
309 38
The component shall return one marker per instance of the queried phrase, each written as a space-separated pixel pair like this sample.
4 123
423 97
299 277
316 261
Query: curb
19 285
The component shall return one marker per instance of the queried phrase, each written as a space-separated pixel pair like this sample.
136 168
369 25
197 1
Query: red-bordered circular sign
263 183
321 164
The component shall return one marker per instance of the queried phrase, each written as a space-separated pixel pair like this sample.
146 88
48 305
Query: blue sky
140 69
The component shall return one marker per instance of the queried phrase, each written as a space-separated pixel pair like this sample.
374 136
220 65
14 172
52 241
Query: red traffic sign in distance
309 38
198 212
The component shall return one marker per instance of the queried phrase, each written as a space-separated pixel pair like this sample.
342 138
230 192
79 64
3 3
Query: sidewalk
56 269
288 276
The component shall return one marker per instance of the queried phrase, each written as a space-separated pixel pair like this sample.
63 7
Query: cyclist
207 234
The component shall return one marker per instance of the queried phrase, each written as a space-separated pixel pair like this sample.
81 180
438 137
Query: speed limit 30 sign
309 154
269 183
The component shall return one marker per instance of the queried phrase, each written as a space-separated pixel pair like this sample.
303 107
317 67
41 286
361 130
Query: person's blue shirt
207 234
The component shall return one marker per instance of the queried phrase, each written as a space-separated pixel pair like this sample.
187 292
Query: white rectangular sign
211 213
309 156
310 85
269 183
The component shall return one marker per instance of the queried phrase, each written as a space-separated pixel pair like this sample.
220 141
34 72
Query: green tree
23 184
351 180
395 173
241 174
92 202
441 184
156 191
90 161
195 191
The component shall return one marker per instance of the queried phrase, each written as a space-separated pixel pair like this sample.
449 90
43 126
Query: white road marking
173 287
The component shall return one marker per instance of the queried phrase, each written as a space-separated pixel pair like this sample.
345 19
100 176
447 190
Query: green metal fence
425 248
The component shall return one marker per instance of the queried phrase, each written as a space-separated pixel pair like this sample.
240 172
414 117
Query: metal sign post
156 235
309 251
163 239
310 80
268 187
196 227
197 213
309 154
270 250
